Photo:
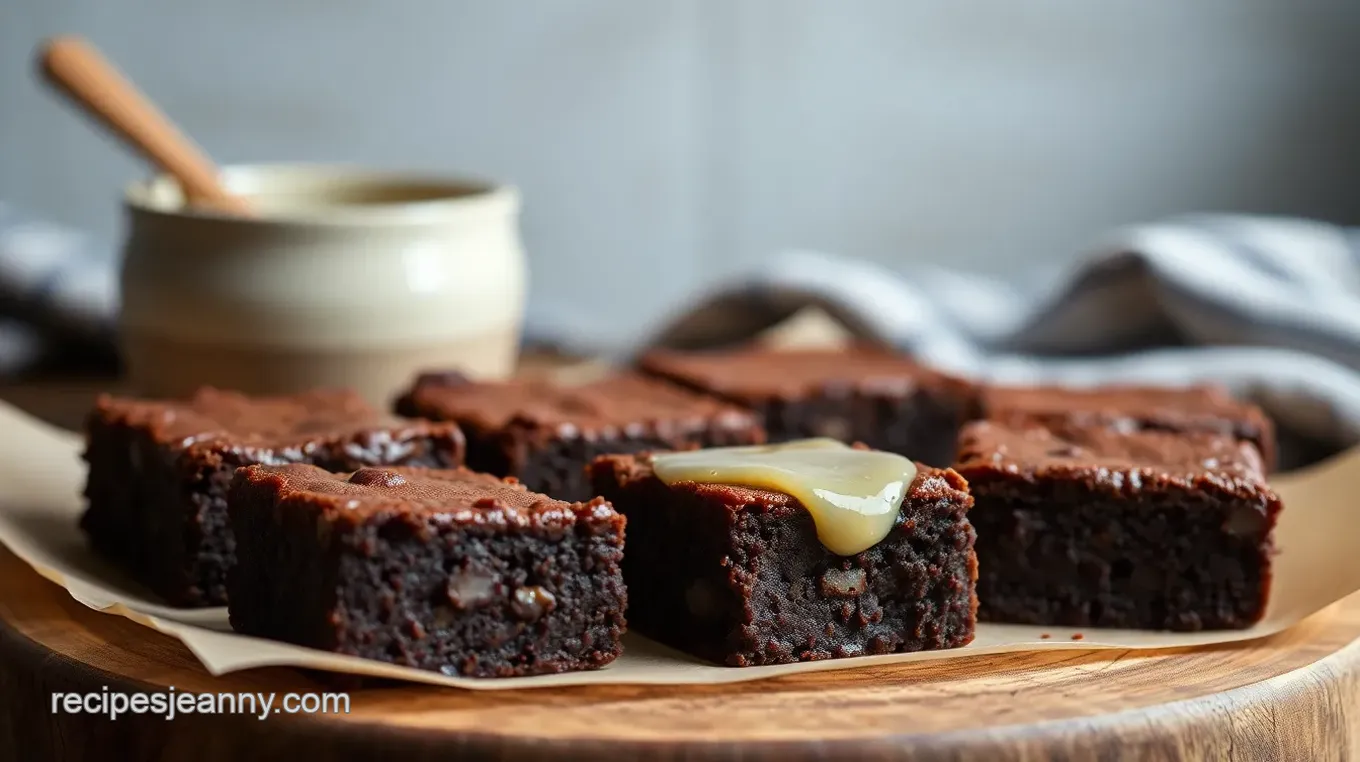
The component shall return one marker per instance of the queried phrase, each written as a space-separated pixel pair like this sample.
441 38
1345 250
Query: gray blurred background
661 144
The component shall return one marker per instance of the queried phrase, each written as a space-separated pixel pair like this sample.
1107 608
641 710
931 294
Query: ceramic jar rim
433 199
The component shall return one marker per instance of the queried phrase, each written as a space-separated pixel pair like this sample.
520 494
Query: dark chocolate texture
1092 526
451 571
1205 408
861 394
544 432
159 470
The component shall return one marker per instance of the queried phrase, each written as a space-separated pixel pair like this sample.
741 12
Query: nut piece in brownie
452 571
1089 526
158 472
863 394
1204 408
738 576
544 433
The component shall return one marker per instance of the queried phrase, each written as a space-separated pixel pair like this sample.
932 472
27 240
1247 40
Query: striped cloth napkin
1269 307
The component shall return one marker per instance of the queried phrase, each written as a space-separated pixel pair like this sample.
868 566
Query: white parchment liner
42 477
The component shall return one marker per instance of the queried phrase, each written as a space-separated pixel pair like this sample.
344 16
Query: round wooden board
1289 697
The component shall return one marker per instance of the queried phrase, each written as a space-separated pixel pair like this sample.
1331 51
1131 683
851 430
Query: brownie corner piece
1088 526
444 570
159 469
545 431
739 577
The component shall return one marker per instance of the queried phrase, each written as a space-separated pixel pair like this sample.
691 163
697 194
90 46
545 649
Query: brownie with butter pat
738 575
444 570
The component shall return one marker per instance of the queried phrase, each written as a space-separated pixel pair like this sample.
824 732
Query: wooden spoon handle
81 73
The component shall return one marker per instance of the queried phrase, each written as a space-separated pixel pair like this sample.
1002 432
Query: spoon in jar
79 72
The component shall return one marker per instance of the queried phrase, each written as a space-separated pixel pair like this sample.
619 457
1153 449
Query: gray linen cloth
1269 307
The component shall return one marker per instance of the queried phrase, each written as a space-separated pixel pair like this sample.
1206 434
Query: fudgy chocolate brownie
544 433
158 472
1090 526
452 571
863 394
739 577
1203 408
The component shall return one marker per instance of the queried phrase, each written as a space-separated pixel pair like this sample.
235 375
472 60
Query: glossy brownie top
265 422
616 401
1202 408
1099 455
451 495
931 485
759 374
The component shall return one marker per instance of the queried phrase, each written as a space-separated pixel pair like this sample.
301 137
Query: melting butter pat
853 495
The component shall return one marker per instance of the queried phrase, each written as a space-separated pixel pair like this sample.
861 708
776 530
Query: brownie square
159 470
1204 408
544 432
738 576
863 394
451 571
1092 527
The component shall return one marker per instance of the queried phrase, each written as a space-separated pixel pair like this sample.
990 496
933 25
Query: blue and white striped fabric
1268 307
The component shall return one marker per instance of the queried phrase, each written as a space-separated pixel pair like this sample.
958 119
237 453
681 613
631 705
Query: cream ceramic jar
343 278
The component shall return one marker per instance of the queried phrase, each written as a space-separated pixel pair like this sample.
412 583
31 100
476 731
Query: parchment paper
42 476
